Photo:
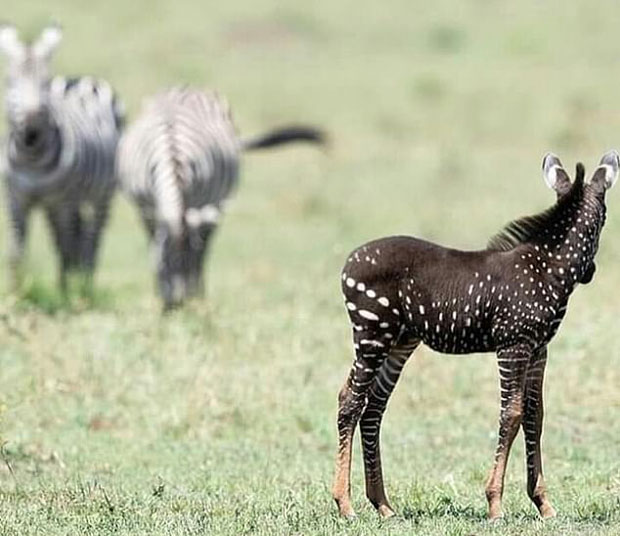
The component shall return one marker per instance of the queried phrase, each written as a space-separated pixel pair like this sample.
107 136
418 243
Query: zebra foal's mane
526 229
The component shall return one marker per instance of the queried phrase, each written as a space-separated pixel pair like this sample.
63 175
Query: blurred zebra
179 162
59 152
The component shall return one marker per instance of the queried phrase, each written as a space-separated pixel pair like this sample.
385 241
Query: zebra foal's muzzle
588 274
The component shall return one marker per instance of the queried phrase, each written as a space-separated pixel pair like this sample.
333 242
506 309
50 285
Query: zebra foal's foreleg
513 363
532 429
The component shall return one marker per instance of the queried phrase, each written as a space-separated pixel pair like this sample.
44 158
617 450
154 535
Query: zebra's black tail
284 135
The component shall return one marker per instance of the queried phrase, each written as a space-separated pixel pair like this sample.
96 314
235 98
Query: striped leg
147 216
370 424
17 242
199 242
351 401
513 363
62 220
93 223
171 260
532 429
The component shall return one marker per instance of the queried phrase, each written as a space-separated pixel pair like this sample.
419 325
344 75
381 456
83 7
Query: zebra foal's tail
283 135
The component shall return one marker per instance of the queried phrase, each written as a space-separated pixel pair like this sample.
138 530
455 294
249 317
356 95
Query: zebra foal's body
179 162
509 299
59 153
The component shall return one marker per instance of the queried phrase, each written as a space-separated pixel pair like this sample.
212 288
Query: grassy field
220 419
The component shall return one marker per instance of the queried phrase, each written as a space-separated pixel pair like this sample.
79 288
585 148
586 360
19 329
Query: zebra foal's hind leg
370 423
351 401
532 429
352 398
513 364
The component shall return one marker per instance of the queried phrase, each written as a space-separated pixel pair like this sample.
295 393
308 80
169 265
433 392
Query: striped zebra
59 153
179 162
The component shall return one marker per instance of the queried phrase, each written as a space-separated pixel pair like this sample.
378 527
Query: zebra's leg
370 423
351 402
62 222
199 244
513 363
532 429
73 230
149 225
17 243
171 259
93 220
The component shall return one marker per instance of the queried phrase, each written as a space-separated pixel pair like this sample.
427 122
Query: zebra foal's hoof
385 511
346 512
547 511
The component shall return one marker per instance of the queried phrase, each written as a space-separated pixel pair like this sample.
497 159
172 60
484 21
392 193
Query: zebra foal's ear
554 174
9 41
606 174
47 42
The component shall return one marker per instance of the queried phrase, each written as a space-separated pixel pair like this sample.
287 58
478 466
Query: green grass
220 419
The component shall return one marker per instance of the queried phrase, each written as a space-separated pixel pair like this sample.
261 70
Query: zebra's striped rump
179 162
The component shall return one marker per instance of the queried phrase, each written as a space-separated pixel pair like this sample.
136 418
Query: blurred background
220 418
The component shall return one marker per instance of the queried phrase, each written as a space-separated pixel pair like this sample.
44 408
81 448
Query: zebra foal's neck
562 241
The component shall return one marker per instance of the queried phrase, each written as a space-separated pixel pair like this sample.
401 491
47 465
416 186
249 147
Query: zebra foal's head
28 81
590 218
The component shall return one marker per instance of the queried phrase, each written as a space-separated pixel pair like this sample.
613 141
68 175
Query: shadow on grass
441 506
197 315
49 300
596 509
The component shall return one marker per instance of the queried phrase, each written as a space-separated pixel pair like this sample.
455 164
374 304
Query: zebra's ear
554 174
47 42
9 41
606 174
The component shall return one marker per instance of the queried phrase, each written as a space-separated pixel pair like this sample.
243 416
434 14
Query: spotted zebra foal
59 153
509 298
179 162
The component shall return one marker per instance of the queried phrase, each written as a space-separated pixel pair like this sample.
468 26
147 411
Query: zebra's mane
527 228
